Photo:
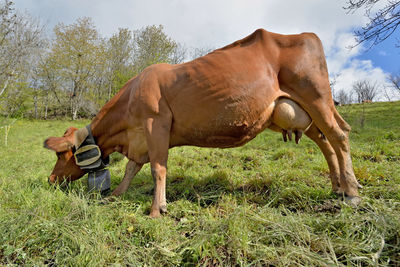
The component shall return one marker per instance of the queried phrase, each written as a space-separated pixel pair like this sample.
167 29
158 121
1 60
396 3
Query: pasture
266 203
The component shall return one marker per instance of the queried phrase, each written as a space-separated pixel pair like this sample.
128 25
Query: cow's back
227 97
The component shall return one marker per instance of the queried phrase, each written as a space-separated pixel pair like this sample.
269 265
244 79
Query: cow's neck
108 125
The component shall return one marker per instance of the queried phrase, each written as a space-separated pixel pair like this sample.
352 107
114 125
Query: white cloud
360 70
383 53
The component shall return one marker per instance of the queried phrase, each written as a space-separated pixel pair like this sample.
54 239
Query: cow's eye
58 154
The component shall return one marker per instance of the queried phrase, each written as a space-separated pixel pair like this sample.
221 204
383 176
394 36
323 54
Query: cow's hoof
163 209
155 214
338 192
353 201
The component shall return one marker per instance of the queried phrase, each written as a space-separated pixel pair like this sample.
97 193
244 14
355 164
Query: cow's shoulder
259 35
306 40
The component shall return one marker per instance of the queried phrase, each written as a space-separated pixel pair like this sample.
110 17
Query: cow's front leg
159 205
157 136
132 168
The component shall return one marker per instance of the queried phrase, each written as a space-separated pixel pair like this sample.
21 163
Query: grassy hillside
266 203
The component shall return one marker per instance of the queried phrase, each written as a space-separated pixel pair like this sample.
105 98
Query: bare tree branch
343 97
199 52
395 80
6 83
382 23
365 91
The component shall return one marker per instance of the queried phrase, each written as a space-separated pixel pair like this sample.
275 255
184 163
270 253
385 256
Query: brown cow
223 99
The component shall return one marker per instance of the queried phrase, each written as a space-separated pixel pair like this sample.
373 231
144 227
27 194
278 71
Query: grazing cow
223 99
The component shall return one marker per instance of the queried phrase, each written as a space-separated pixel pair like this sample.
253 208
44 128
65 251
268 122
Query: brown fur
223 99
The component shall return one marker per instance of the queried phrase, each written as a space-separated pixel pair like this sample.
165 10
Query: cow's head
65 168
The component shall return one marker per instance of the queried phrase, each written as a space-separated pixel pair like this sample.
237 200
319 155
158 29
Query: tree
393 90
178 54
151 46
332 84
343 97
7 22
382 23
199 52
77 54
21 40
21 43
365 90
395 81
49 83
119 50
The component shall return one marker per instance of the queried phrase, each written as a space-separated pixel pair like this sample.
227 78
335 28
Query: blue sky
212 23
385 55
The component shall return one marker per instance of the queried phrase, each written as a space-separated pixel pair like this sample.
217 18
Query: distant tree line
366 91
76 71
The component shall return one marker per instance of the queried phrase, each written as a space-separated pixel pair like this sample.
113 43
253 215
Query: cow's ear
70 131
58 144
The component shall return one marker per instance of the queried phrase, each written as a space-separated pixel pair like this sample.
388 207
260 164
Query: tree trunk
72 108
46 106
35 100
109 91
74 114
6 83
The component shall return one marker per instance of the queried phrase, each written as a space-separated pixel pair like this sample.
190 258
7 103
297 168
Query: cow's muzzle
52 179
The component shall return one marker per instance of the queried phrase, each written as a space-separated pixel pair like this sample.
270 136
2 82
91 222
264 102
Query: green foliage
267 203
120 79
76 72
77 52
151 46
15 101
119 52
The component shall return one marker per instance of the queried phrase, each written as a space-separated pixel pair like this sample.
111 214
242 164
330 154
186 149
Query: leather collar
88 154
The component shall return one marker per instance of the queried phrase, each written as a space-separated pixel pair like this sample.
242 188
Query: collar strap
88 154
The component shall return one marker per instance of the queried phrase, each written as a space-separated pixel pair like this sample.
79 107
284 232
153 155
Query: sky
215 23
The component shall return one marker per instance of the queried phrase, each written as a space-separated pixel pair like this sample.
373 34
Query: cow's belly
223 110
225 126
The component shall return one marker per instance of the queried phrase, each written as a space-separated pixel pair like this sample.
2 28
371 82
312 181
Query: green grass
266 203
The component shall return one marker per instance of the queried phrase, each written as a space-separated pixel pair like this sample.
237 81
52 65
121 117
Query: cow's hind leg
329 154
322 114
346 129
132 168
322 111
157 136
